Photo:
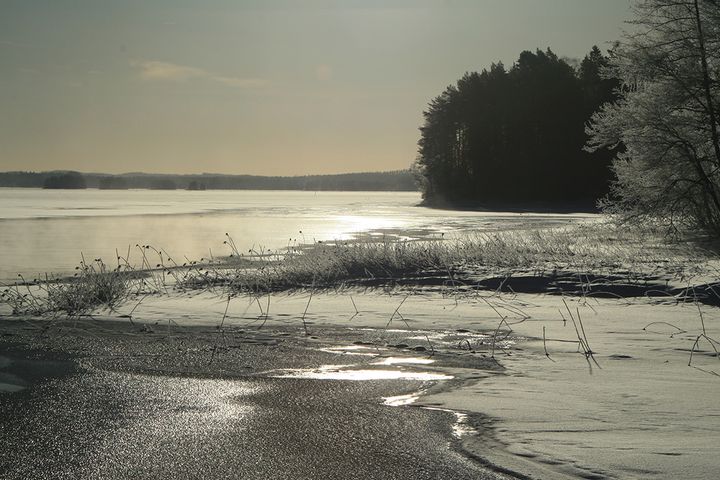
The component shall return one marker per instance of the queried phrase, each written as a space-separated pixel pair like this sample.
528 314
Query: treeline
400 180
516 136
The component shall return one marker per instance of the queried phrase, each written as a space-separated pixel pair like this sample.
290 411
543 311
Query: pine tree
516 136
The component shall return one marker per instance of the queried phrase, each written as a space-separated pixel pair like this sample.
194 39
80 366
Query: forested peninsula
516 136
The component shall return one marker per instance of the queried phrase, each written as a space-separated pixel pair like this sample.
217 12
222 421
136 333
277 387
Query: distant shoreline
399 180
515 207
218 190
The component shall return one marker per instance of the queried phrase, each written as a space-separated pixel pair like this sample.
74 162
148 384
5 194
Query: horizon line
207 173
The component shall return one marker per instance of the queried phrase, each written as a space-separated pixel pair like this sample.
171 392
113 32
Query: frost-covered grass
93 286
590 248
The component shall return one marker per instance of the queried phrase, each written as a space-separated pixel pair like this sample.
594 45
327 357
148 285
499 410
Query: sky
266 87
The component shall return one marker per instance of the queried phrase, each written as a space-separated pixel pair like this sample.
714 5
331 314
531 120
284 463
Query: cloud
8 43
153 70
240 82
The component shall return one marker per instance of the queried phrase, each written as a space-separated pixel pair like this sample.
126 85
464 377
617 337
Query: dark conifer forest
399 180
65 180
516 136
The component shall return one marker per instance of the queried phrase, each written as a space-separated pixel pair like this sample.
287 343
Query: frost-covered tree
665 126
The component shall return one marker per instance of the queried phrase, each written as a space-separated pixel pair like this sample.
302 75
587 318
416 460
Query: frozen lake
46 231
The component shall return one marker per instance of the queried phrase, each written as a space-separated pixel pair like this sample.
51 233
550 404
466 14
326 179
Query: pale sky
269 87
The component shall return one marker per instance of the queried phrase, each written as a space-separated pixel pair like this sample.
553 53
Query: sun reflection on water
336 372
363 223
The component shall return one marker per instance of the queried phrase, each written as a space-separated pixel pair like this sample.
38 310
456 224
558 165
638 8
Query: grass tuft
93 286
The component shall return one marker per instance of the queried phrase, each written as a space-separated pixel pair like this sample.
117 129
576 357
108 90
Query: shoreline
458 332
542 207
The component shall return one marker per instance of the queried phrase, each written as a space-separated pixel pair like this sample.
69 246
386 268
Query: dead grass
94 286
370 262
600 249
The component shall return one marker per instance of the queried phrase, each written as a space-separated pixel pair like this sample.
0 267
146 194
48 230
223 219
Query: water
46 231
345 372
